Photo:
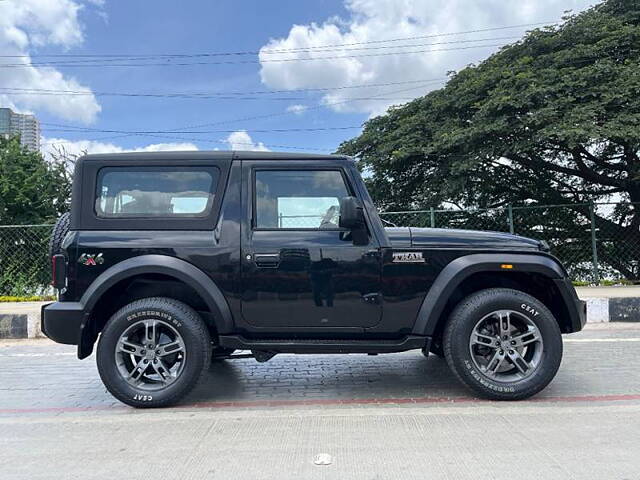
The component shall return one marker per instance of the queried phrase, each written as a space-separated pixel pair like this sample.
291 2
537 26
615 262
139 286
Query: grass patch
604 283
30 298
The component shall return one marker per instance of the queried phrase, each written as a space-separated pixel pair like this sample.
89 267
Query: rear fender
146 264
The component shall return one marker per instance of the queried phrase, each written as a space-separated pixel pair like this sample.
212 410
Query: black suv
173 259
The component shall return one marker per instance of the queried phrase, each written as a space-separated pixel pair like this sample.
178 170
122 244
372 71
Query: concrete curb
616 309
22 320
597 310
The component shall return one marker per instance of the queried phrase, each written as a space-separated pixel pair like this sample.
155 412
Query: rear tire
153 352
503 344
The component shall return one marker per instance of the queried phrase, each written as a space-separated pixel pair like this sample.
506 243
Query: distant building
27 126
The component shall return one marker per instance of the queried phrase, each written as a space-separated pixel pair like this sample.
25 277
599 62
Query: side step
314 345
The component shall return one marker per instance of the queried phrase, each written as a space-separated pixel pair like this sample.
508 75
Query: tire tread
188 314
475 300
60 230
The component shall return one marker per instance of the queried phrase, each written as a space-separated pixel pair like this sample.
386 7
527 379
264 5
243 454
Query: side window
298 199
162 192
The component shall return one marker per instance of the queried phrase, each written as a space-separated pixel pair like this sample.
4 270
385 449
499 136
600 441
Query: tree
551 119
32 191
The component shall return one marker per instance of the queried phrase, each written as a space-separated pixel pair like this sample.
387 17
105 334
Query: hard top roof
208 155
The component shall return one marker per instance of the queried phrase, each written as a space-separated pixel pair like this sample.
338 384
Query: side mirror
351 214
352 217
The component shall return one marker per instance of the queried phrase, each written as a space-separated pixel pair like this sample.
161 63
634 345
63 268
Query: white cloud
79 147
166 147
375 20
241 140
28 24
297 109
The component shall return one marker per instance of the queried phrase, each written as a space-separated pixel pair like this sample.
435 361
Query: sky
280 75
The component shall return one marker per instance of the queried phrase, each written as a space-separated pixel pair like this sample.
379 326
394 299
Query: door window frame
254 197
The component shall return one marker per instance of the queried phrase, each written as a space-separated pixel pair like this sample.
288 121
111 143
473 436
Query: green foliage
604 283
33 298
25 268
551 119
32 190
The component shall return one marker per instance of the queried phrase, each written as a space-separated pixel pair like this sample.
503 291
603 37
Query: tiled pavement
38 374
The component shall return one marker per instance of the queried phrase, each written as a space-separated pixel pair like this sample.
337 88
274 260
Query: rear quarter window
155 192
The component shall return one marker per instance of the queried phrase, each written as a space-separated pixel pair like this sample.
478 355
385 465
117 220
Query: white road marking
53 354
596 340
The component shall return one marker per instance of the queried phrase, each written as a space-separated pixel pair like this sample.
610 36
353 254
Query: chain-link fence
24 264
594 241
299 221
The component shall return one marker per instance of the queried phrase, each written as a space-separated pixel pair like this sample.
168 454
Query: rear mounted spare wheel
60 229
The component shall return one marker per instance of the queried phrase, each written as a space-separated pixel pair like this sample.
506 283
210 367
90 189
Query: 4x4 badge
91 259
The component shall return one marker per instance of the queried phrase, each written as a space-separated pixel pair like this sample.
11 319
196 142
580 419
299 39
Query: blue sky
364 34
203 27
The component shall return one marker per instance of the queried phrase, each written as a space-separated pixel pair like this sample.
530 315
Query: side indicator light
506 266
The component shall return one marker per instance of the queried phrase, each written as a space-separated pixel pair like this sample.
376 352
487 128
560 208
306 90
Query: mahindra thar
169 260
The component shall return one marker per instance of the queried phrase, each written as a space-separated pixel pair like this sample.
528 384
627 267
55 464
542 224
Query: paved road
385 417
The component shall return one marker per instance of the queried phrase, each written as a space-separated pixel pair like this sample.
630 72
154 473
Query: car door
300 269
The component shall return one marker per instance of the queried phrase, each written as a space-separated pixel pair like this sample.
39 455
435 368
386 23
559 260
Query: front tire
503 344
153 352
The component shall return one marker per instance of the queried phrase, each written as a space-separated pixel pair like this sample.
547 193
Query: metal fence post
510 214
594 247
432 215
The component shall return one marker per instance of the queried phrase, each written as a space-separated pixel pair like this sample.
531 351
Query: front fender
161 264
458 270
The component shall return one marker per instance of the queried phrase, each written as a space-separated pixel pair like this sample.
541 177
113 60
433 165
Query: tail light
58 271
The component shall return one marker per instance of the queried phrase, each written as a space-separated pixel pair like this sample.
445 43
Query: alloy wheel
150 354
506 346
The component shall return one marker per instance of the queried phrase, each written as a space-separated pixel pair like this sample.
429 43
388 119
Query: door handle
267 260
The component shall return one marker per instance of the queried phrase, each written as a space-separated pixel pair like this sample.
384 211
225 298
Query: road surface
373 417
